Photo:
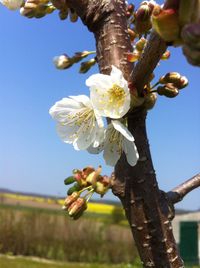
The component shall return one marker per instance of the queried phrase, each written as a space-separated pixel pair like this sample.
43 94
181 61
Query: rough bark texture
149 210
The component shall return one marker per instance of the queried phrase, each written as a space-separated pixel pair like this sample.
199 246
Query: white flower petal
109 94
122 129
98 144
65 133
12 4
82 99
111 153
131 152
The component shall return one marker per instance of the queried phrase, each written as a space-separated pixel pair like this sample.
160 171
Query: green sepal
69 180
74 188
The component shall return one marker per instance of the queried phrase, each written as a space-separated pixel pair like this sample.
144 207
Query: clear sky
32 157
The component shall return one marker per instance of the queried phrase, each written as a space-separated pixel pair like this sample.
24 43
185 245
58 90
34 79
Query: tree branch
178 193
146 65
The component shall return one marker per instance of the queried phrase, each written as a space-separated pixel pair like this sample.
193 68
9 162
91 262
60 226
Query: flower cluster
86 182
80 118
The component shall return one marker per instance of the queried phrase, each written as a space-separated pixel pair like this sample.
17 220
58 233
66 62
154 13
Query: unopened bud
132 34
71 198
143 18
130 8
182 82
86 65
12 4
73 16
165 22
100 188
171 77
166 55
150 100
141 44
77 206
92 177
133 56
62 62
63 14
168 90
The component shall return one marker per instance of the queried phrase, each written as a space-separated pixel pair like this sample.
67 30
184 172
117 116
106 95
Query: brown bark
149 210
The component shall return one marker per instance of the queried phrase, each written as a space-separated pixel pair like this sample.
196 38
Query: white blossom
12 4
109 93
118 139
77 121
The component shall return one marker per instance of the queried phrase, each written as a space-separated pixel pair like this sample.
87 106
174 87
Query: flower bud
143 18
192 55
86 65
132 34
166 55
100 188
81 55
150 100
63 14
130 8
165 23
186 9
71 198
62 62
77 206
182 82
73 16
168 90
171 77
133 56
93 176
141 44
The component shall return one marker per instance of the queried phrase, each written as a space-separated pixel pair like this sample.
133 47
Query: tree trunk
148 209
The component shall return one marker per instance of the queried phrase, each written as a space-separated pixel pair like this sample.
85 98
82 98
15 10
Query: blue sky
32 156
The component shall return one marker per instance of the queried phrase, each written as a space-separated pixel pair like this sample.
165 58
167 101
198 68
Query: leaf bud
133 56
77 206
86 65
71 198
165 23
141 44
171 77
62 62
150 100
168 90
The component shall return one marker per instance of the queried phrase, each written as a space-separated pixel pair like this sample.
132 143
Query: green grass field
20 262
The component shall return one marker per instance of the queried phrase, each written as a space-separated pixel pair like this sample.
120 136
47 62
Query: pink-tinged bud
132 34
166 55
141 44
171 77
77 206
62 62
71 198
86 65
168 90
133 56
165 23
150 100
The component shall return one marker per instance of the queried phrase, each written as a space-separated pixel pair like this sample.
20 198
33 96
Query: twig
178 193
148 62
